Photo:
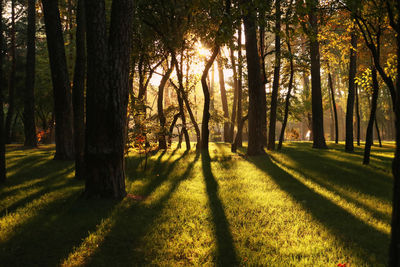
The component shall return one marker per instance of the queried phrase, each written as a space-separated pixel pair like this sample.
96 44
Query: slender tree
277 70
316 95
256 118
349 146
332 90
61 84
2 132
78 91
238 139
224 100
357 115
235 92
11 80
29 97
107 96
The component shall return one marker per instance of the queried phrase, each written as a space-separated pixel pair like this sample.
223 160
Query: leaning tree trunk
378 133
349 146
162 144
369 138
357 116
11 81
61 85
78 90
316 95
333 105
277 69
29 97
2 133
235 93
205 132
224 100
256 118
107 97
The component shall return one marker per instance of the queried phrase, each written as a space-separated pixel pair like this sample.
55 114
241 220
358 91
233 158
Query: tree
78 91
2 132
316 95
107 97
11 81
256 137
223 97
349 146
60 79
330 82
277 69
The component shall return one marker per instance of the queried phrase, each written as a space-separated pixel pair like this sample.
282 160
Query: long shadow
352 232
122 244
324 183
226 253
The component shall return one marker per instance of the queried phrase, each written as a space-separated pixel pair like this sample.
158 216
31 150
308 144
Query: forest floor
299 206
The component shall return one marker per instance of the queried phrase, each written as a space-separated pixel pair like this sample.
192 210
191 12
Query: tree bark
61 85
107 97
183 119
369 137
357 115
316 95
78 91
333 105
224 100
256 116
277 69
11 81
29 97
3 170
239 135
235 92
378 133
240 130
162 144
349 146
205 132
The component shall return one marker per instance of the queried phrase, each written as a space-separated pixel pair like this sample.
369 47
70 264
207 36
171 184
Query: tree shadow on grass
353 233
226 254
122 243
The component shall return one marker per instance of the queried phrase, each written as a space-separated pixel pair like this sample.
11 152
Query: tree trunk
11 81
107 97
171 127
316 95
333 105
378 133
256 116
369 138
240 130
205 132
357 115
2 132
349 147
277 69
239 135
235 92
78 91
224 100
29 97
61 85
162 144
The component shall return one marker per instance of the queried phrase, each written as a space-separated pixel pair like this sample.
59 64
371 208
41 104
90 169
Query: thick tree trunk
29 97
61 85
162 144
224 100
2 132
78 91
11 81
333 105
316 95
235 93
256 116
277 70
357 115
205 132
349 146
239 135
369 137
107 97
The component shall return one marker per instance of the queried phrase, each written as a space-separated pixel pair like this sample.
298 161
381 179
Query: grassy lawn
300 207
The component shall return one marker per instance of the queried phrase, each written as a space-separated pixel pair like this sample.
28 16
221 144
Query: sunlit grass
299 206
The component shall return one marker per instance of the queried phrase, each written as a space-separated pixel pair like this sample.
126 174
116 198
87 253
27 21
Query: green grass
300 207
